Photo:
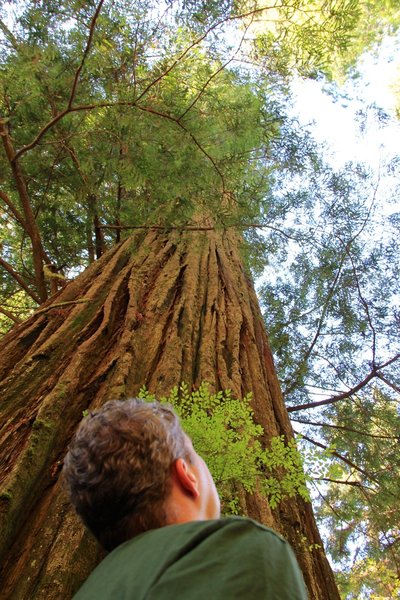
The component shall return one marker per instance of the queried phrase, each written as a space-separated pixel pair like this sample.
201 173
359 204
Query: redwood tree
113 116
155 310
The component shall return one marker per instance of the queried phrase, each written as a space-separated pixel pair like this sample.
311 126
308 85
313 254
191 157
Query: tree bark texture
156 310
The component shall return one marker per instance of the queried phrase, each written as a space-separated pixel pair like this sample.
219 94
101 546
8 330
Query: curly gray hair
118 466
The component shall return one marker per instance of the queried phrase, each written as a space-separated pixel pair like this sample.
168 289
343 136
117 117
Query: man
138 484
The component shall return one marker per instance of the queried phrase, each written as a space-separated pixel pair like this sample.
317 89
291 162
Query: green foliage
329 295
172 122
377 19
367 574
225 435
357 506
14 303
307 36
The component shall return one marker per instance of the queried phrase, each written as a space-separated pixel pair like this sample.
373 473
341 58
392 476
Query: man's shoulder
187 536
247 524
238 527
167 544
233 523
229 550
207 527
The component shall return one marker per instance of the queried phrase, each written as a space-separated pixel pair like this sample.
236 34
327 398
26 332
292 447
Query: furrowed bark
156 310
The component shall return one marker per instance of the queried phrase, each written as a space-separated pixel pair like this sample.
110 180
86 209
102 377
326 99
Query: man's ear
185 477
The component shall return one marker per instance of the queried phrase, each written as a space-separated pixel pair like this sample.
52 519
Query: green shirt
226 559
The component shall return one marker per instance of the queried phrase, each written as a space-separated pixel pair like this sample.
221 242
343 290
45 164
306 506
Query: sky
335 119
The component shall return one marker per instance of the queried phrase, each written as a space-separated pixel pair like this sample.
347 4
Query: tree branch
319 327
54 121
186 130
335 369
87 107
10 315
350 392
85 53
75 160
343 428
353 483
31 225
221 68
14 210
71 108
19 279
9 35
394 387
363 302
339 456
331 508
202 37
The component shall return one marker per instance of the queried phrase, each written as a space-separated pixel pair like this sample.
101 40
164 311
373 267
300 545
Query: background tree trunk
156 310
30 224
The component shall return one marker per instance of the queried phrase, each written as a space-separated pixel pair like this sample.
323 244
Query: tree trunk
155 310
98 233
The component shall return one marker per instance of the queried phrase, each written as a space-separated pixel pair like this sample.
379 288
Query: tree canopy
120 115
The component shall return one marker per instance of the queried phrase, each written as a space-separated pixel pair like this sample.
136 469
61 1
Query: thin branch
58 118
10 315
300 317
334 511
363 302
87 107
198 41
375 421
367 216
75 160
46 188
339 456
196 228
203 89
353 483
357 527
85 53
319 327
350 392
221 68
9 35
31 225
186 130
339 376
19 279
69 108
343 428
14 210
394 387
317 387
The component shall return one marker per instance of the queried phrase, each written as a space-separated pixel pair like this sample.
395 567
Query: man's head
131 468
